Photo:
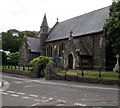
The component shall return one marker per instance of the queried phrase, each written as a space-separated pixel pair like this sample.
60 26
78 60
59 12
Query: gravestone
116 68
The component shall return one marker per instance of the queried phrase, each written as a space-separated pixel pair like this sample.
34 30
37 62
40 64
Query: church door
70 61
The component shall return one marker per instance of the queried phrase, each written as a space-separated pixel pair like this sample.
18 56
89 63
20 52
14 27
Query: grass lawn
18 68
91 73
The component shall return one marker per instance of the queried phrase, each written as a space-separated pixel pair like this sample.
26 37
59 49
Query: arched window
63 46
61 49
49 51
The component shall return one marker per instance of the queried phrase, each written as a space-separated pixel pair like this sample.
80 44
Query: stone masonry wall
17 72
85 79
92 41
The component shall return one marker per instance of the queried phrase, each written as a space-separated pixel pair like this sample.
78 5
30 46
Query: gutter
75 36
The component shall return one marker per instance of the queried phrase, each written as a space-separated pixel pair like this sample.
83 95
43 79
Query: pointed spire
44 22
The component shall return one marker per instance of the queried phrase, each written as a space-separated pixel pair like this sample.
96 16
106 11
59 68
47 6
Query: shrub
43 61
12 58
4 58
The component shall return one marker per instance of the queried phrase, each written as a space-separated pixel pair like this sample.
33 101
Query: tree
30 33
112 28
4 58
11 40
112 34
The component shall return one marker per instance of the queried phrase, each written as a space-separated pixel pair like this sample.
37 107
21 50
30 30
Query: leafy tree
11 40
30 33
112 30
112 27
13 58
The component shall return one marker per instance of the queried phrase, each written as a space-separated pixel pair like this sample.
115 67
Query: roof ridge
85 14
32 36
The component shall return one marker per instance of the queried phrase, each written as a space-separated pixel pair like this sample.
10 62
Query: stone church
79 42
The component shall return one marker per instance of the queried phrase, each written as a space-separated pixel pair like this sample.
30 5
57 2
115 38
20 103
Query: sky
28 14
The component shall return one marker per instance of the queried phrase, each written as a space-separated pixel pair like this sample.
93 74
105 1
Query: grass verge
91 73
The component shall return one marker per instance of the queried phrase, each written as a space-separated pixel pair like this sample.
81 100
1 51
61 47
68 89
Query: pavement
23 91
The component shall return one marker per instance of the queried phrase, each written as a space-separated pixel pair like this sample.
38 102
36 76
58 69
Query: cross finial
57 19
71 33
70 37
117 56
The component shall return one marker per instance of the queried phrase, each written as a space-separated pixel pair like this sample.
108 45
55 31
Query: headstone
116 68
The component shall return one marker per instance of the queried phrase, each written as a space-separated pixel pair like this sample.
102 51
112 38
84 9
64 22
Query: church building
79 42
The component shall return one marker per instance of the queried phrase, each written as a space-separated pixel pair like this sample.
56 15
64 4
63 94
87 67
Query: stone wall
92 41
24 53
52 74
33 55
85 79
17 72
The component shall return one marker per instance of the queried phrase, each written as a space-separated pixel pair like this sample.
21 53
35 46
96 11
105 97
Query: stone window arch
49 51
61 48
60 51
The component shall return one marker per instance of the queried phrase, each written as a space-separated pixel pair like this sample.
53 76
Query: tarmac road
40 92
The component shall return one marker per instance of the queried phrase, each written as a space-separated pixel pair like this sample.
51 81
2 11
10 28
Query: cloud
28 14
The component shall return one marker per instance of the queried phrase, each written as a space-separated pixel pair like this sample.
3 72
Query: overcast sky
28 14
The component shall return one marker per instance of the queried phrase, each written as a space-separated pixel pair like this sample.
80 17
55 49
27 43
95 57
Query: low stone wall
84 79
51 74
17 72
55 76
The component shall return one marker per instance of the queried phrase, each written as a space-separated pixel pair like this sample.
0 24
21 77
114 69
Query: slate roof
85 24
83 49
34 44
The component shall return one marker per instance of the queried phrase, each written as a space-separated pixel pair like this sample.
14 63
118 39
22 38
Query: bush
43 61
4 58
12 58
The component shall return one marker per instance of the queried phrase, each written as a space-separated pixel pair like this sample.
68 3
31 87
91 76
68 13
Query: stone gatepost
36 70
50 70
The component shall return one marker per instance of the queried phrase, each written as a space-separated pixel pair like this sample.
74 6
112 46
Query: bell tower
44 26
43 35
